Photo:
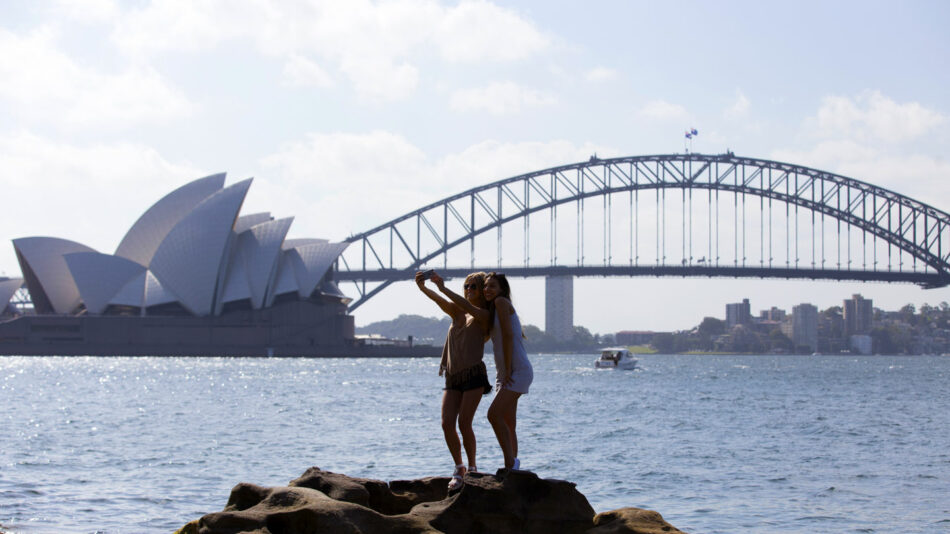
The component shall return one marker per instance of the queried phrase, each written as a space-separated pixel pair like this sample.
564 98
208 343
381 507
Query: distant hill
424 330
431 331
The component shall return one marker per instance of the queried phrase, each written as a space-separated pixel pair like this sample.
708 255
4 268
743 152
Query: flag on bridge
693 132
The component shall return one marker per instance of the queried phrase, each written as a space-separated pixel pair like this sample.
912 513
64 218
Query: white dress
522 374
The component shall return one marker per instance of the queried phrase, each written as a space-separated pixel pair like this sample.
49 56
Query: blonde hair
477 277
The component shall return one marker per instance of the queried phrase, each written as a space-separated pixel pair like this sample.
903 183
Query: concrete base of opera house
298 328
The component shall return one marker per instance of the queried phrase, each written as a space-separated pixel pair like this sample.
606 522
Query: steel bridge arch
913 227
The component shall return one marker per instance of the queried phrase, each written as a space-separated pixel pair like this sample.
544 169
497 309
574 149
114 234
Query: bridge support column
559 306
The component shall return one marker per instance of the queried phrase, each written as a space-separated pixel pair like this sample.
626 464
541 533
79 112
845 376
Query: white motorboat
616 358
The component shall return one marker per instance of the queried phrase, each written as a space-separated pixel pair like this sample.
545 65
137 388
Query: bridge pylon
559 306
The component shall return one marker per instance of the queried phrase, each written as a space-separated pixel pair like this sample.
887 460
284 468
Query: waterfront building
804 331
193 275
858 315
738 313
559 307
191 253
8 288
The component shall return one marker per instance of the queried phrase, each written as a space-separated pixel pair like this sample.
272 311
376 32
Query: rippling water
714 443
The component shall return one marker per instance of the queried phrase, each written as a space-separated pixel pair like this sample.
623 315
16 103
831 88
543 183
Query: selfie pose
466 378
514 373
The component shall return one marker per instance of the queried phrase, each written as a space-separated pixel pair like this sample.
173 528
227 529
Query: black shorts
476 380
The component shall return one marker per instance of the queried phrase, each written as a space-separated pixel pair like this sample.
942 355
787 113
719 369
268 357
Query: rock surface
324 502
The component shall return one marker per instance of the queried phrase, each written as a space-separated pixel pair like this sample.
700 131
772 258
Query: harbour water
717 444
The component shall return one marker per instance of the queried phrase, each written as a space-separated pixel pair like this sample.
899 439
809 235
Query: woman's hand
437 280
420 279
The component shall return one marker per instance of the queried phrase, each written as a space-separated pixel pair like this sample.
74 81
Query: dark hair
505 292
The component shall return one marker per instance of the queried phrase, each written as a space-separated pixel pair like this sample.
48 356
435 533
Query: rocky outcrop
514 502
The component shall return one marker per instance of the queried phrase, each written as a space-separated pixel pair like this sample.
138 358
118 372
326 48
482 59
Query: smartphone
428 274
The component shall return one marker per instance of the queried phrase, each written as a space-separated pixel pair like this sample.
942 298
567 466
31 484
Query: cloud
601 74
873 116
491 160
46 84
482 31
347 183
353 177
739 108
499 98
663 110
87 193
376 45
922 177
380 80
302 72
862 138
90 11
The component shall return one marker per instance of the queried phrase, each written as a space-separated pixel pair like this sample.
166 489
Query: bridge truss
663 215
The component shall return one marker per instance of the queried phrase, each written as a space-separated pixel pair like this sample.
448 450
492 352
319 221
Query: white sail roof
244 222
259 250
311 263
192 247
47 275
132 293
148 232
235 285
8 288
294 243
143 291
189 260
100 277
285 281
155 293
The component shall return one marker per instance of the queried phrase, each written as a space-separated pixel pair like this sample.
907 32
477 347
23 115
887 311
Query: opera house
192 276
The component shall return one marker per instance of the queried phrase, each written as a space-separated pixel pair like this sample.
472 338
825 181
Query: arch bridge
663 215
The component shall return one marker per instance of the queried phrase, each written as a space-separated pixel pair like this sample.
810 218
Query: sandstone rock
631 521
519 502
299 510
515 502
397 497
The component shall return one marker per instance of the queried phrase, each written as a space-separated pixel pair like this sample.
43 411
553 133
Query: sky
351 113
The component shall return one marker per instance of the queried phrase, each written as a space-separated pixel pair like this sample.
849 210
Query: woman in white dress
513 371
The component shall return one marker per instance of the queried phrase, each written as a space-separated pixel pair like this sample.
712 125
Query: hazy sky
350 113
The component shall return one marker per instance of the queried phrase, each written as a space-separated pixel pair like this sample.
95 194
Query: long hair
505 292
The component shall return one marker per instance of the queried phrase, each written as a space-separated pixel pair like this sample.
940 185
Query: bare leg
468 405
510 422
451 402
502 409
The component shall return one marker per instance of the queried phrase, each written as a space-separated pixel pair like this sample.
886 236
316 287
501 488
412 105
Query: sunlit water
714 443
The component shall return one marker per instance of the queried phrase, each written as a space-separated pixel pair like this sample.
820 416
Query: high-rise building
559 307
858 315
738 313
805 326
775 314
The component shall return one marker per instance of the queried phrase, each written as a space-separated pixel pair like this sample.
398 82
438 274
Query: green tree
663 343
908 314
583 338
712 327
778 340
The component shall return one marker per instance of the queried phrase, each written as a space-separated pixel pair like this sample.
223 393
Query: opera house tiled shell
191 253
8 288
